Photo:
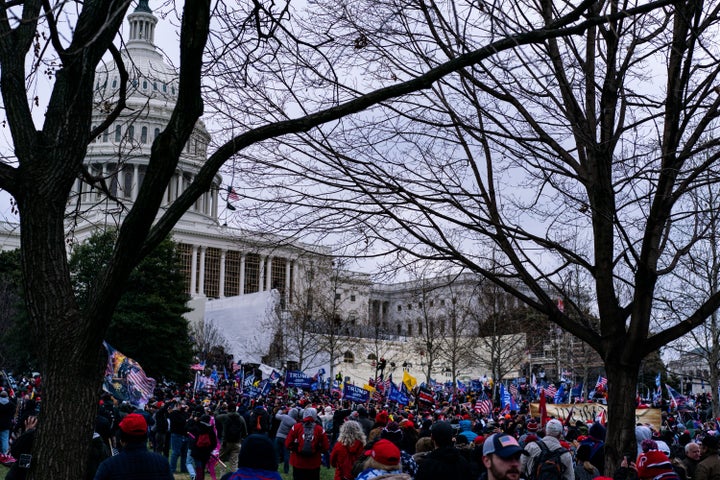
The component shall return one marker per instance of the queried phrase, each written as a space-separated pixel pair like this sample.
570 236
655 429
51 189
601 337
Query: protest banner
591 411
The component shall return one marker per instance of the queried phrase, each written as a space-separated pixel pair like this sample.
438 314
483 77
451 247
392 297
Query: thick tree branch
204 178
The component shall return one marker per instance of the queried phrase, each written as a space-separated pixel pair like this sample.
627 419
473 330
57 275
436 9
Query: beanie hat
442 433
385 452
258 452
652 464
134 424
532 426
382 418
392 432
554 428
597 431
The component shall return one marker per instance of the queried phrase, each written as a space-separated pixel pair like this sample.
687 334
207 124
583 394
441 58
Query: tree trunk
67 382
68 343
620 435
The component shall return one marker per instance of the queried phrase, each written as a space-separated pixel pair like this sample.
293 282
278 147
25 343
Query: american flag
232 194
484 406
551 391
601 383
513 390
377 396
137 380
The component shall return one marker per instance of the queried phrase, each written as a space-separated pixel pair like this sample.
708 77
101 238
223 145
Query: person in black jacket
202 444
134 459
178 418
445 461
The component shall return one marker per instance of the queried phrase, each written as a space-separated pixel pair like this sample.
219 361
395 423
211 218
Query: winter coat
293 438
534 451
343 458
201 453
377 474
708 468
444 462
287 420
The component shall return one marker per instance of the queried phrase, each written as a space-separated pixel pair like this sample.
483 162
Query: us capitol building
231 274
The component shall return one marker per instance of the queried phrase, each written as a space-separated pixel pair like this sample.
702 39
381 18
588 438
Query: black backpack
307 447
547 465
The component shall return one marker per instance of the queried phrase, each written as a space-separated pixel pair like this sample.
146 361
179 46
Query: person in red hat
383 459
134 459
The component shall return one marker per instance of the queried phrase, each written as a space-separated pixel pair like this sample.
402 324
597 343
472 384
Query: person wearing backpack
546 458
259 420
202 445
307 441
234 430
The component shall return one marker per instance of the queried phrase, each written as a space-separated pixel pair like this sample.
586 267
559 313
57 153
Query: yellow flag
409 381
369 388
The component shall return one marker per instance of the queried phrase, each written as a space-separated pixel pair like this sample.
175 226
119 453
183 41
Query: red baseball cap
134 424
385 452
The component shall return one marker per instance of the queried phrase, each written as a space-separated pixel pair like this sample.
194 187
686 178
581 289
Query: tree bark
620 434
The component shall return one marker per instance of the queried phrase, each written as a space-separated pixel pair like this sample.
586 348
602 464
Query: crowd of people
301 433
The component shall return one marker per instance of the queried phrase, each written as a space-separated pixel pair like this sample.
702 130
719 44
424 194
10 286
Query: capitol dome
122 151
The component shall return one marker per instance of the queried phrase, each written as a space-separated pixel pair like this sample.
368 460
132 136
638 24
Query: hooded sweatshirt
287 420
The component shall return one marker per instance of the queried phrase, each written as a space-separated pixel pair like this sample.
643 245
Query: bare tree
459 342
562 156
206 336
430 326
501 331
702 269
276 79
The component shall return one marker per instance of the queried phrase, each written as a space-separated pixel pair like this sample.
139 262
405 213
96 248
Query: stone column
261 273
268 274
135 182
221 293
288 263
193 271
242 275
201 286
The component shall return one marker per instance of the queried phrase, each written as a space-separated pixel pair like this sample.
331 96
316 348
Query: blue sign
355 393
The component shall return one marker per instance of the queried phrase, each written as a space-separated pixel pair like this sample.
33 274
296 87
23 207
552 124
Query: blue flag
397 395
505 397
577 390
355 393
265 387
274 376
560 395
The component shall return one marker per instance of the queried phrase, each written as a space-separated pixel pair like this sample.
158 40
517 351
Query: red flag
543 409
